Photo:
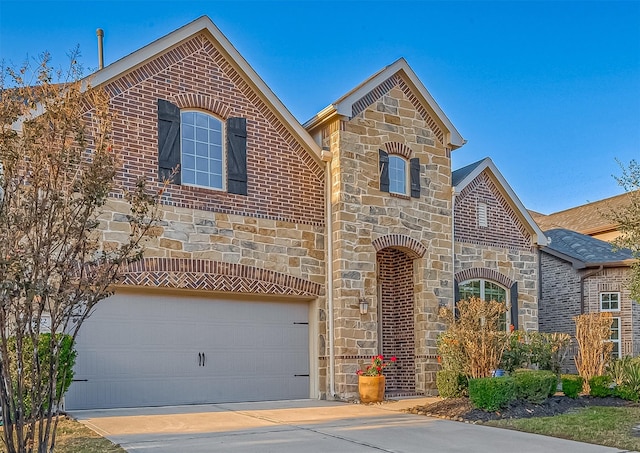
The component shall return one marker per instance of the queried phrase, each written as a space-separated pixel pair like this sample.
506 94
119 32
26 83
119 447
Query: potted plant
371 380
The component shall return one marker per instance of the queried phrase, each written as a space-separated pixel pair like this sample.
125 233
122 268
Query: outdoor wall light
364 306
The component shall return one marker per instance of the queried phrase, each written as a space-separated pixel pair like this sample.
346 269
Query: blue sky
550 90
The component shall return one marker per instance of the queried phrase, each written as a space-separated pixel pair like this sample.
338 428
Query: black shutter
384 171
415 177
237 156
456 291
514 305
168 140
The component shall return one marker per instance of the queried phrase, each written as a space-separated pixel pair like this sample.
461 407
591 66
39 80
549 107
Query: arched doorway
397 322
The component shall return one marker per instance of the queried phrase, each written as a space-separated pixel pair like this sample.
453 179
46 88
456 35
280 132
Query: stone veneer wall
363 214
517 265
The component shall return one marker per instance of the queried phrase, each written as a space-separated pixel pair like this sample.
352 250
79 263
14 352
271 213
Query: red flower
512 328
379 369
393 359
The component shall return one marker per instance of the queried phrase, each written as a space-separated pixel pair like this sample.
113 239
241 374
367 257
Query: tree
628 219
59 169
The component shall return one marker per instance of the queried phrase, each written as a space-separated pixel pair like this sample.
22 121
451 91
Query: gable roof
344 105
205 25
585 251
588 218
464 176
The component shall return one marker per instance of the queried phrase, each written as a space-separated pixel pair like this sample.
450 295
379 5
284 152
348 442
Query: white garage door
155 350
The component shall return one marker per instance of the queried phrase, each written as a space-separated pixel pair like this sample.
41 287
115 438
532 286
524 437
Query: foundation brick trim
215 276
484 273
398 148
202 101
408 245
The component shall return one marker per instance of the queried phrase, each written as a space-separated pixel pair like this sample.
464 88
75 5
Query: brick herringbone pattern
215 276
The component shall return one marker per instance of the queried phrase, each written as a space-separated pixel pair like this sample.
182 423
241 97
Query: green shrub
451 384
64 375
535 386
630 387
491 394
601 386
572 385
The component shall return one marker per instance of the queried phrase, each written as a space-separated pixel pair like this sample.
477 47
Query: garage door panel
141 350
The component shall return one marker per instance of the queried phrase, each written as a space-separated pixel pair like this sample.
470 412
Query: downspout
582 279
453 246
326 157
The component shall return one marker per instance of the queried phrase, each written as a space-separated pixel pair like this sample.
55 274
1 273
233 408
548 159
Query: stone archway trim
484 273
210 275
405 243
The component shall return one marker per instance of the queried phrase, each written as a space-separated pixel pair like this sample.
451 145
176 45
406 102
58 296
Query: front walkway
309 426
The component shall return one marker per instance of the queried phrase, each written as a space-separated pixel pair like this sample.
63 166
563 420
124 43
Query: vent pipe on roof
100 35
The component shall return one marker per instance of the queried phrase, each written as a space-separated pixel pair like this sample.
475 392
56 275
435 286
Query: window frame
223 150
392 181
482 287
618 321
609 310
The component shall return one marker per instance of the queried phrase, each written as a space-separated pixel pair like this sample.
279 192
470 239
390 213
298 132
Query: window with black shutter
199 149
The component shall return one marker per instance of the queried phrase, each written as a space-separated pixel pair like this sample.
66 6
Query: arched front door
397 326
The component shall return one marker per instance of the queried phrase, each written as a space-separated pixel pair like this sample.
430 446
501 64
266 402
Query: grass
609 426
74 437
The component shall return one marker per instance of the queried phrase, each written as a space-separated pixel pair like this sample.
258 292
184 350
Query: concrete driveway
308 426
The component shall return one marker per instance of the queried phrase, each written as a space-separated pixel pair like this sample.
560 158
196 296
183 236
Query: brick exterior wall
614 280
502 252
560 300
284 181
559 295
395 274
388 118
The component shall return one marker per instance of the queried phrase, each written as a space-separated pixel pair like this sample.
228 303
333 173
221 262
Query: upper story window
202 156
398 175
609 301
206 151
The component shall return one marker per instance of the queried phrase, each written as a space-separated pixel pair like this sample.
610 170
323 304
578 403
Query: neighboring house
590 219
288 255
581 274
496 244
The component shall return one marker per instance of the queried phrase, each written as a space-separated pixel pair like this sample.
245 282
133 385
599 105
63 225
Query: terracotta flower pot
371 389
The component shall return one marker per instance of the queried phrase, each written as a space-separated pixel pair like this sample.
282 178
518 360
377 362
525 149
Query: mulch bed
460 409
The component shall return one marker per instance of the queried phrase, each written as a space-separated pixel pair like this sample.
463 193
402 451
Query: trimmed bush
572 385
451 384
491 394
601 386
535 386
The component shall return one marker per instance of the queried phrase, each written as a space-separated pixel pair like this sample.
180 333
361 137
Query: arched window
398 175
202 151
485 290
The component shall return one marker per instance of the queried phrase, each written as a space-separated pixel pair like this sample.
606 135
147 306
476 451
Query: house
590 219
289 254
582 274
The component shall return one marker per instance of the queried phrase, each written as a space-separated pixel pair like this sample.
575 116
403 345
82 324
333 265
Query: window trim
223 146
405 162
608 310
